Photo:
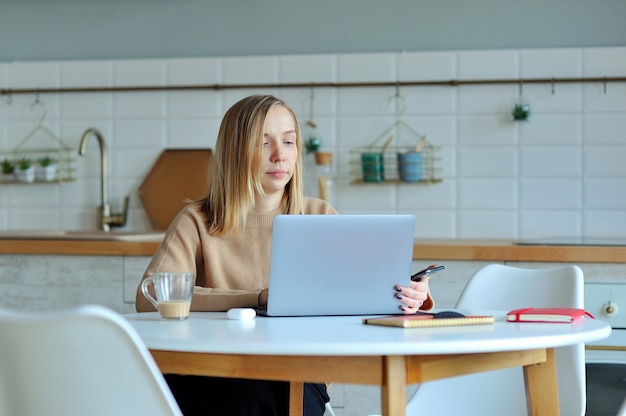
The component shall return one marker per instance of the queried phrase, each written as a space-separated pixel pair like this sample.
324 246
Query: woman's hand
412 298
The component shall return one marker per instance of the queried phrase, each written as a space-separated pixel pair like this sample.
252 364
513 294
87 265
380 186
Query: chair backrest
502 392
83 361
497 286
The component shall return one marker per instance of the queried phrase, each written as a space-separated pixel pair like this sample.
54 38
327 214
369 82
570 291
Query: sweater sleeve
176 253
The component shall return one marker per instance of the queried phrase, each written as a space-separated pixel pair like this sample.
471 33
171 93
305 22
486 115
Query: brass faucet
106 219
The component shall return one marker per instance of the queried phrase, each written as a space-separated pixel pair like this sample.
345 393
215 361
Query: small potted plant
25 170
47 169
312 145
8 170
521 112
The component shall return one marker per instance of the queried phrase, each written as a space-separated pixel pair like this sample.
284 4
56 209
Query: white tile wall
560 174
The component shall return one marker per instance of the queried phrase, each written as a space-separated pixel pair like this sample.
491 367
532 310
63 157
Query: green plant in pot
521 112
47 170
25 170
312 145
24 163
45 161
8 169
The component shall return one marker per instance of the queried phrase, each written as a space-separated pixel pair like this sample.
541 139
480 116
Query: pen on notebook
426 272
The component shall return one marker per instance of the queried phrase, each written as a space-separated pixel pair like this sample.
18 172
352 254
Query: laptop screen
339 264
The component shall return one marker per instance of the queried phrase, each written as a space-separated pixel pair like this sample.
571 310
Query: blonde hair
234 177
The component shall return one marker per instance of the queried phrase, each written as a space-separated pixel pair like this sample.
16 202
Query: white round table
343 349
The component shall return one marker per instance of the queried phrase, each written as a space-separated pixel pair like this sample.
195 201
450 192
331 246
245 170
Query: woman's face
280 152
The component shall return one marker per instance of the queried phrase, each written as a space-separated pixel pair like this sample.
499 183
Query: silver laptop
339 264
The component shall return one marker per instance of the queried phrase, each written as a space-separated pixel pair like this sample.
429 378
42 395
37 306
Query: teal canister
372 167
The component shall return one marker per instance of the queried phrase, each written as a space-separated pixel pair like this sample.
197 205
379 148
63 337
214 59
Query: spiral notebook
429 320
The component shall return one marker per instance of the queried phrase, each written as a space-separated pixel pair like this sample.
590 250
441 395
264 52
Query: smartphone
433 268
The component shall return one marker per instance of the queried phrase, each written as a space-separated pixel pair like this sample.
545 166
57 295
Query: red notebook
547 315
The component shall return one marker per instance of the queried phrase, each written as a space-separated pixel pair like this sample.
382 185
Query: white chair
502 392
83 361
328 411
622 409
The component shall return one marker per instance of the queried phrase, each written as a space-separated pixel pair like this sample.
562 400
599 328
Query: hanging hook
552 86
400 102
39 103
36 99
604 85
520 88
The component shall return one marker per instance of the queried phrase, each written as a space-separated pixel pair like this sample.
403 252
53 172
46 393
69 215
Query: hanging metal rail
451 83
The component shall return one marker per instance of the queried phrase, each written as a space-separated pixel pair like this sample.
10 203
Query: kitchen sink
82 235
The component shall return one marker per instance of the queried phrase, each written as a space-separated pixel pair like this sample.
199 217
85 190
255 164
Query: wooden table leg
542 393
296 390
393 389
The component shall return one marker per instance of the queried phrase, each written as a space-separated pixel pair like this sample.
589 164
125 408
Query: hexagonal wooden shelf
177 175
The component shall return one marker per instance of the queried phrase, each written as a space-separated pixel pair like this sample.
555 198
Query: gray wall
118 29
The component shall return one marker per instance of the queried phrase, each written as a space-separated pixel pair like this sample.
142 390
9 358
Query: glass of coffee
173 293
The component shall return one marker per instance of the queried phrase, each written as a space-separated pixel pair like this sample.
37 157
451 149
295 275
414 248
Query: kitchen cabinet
50 282
132 274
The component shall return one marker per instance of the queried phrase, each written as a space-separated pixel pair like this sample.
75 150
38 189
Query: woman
254 175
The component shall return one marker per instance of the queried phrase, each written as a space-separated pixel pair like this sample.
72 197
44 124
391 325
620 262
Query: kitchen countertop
424 249
506 250
78 247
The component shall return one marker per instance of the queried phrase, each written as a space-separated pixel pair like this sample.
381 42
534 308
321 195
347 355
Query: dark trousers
208 396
